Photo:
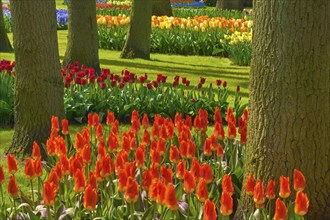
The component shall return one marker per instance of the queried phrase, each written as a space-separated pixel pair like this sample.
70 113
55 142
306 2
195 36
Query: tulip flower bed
169 170
85 92
173 35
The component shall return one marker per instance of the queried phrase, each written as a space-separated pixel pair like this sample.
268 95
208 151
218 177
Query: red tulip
284 187
195 168
270 192
226 201
122 180
139 157
145 121
79 181
174 154
301 203
90 198
65 127
202 192
189 183
299 182
92 181
210 212
207 173
12 164
170 197
280 210
49 194
35 150
249 187
258 193
132 190
12 187
180 169
146 180
227 184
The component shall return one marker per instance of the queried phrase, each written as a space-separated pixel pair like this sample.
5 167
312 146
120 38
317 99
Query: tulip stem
39 193
49 216
31 182
3 200
132 210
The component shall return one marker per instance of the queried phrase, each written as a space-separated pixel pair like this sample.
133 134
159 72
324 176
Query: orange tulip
189 183
90 198
227 184
107 166
2 175
37 167
132 190
99 132
210 212
79 181
167 174
258 193
231 130
301 203
226 201
299 182
29 168
180 170
92 181
280 210
183 149
154 171
98 169
65 164
146 180
12 187
86 154
55 124
191 149
145 121
49 193
174 154
219 150
249 187
65 127
110 118
58 169
161 189
146 137
218 132
217 115
170 197
202 192
96 120
270 192
113 142
155 157
161 148
51 147
122 180
153 189
139 157
207 173
12 164
35 150
207 147
53 178
284 187
195 168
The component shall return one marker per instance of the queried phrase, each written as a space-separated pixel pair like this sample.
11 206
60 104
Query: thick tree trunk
218 5
38 86
289 98
137 44
82 34
230 4
162 7
5 45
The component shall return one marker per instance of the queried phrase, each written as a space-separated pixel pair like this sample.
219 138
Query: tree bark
218 5
5 45
162 7
38 87
137 44
289 98
82 43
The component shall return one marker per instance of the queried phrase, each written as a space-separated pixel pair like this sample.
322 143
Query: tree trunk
289 98
137 44
38 86
218 5
5 45
230 4
82 34
162 7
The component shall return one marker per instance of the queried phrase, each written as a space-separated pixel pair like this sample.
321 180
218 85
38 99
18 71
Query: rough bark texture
38 86
230 4
162 7
137 44
5 45
82 34
289 98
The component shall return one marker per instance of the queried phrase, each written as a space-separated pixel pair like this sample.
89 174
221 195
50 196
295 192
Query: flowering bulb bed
167 170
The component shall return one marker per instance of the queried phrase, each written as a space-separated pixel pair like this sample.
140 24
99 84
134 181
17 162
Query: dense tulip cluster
161 165
255 189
